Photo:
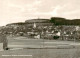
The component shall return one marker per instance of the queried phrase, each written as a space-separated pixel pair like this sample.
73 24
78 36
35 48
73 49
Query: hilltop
55 20
64 21
37 21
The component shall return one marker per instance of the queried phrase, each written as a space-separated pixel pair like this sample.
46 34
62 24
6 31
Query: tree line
64 21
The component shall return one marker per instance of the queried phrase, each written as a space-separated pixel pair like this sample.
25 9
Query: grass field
42 53
32 48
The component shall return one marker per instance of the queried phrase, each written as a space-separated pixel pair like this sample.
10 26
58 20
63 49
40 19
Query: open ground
40 48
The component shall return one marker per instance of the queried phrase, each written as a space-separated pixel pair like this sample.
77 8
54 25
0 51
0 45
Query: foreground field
24 42
42 53
34 48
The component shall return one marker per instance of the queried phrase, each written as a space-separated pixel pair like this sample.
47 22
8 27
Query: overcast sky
20 10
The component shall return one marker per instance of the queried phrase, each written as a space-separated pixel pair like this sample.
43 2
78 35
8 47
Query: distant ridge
55 20
18 23
37 20
64 21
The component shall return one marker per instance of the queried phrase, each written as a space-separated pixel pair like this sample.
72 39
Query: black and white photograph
39 28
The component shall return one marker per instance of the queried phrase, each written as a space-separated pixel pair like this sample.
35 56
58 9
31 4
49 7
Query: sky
12 11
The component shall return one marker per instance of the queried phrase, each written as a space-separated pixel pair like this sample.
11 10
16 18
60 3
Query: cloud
56 10
24 7
37 2
32 6
71 12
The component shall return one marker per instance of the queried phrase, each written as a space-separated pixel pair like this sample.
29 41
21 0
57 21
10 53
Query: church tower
34 26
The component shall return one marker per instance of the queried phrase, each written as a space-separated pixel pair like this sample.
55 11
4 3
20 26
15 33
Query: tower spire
34 26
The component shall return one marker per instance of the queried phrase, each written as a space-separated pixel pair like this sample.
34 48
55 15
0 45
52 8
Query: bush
56 37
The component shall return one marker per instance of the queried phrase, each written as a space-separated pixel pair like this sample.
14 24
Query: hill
37 21
64 21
